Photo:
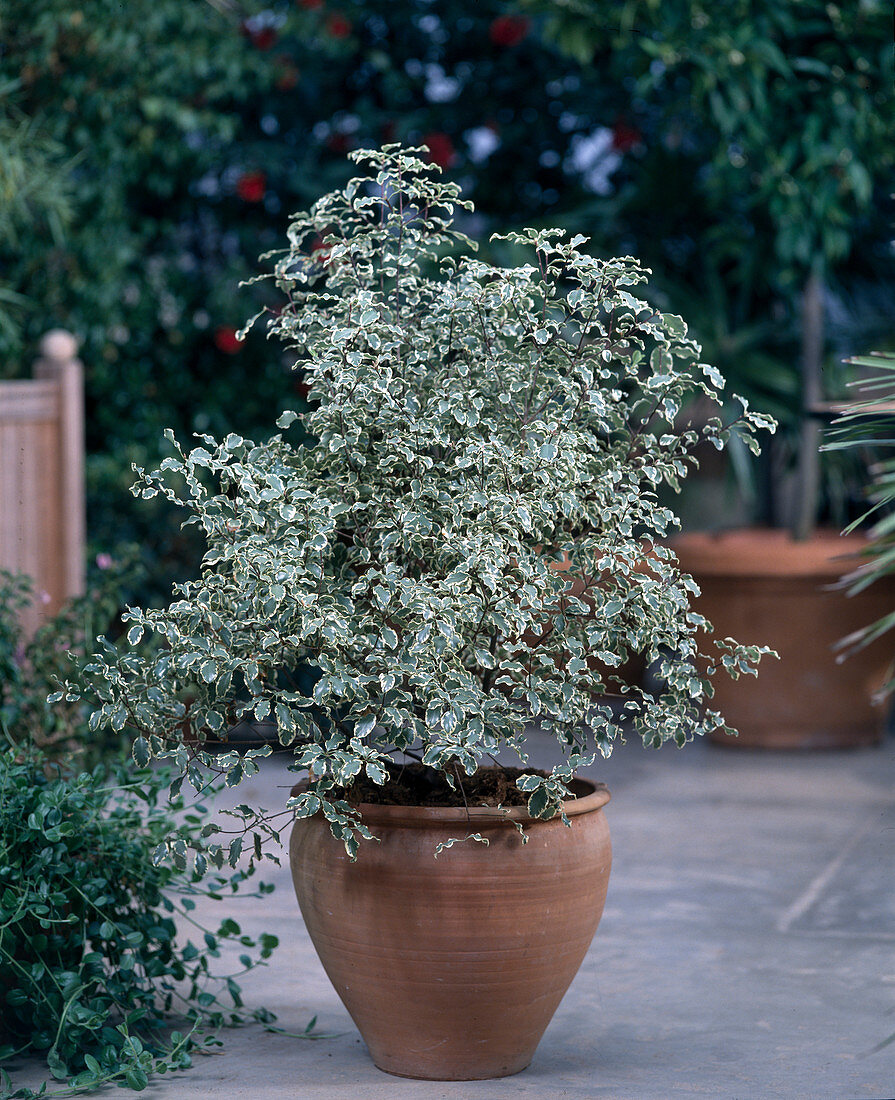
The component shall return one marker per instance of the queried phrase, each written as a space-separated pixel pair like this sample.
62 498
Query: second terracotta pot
453 967
762 588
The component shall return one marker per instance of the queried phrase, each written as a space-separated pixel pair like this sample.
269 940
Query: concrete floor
747 949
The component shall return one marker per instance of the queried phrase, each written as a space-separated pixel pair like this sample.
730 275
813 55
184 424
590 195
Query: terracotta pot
761 587
453 967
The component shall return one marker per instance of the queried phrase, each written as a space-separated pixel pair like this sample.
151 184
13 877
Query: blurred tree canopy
772 122
149 152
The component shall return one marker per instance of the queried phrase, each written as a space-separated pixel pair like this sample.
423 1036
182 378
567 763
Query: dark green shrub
93 976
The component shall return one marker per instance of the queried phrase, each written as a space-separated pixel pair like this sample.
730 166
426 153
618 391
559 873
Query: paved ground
747 950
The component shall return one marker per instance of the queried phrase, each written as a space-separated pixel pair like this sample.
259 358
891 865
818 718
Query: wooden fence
42 514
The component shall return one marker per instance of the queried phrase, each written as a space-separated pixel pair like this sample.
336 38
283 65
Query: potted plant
785 587
470 425
782 585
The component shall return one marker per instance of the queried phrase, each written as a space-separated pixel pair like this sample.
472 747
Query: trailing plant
94 975
471 425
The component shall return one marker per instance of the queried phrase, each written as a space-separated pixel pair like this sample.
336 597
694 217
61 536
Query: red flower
251 186
288 73
338 143
337 26
226 340
262 38
441 149
509 30
625 137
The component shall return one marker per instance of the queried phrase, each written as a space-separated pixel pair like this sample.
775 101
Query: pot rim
593 796
768 552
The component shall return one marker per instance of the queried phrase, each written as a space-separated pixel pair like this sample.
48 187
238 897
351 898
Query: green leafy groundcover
93 976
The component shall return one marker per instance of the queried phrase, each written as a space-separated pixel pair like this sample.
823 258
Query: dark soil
418 785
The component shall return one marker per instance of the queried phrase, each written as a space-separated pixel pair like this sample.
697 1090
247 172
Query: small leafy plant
31 668
93 974
473 429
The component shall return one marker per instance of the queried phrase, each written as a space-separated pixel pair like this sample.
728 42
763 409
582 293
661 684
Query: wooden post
42 509
59 362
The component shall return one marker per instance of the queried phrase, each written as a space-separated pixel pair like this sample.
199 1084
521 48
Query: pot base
478 1077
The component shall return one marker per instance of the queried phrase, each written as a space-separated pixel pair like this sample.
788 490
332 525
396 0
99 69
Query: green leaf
56 1065
376 773
366 725
136 1079
538 803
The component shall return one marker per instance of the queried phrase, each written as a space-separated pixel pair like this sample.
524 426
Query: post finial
59 345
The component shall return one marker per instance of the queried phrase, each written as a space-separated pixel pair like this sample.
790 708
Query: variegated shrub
470 425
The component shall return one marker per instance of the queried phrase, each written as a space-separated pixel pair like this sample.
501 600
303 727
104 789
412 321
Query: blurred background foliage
149 152
32 667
